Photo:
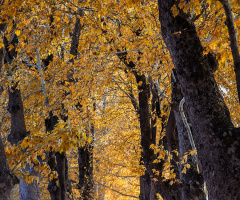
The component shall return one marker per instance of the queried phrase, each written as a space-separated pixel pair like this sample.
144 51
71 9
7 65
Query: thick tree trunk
53 188
85 164
29 191
192 181
61 158
57 162
85 172
7 178
217 141
18 133
15 107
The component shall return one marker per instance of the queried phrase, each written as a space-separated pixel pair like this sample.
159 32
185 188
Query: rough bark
58 187
233 41
217 141
192 181
15 107
61 158
53 188
75 37
57 162
85 172
7 178
29 191
85 166
142 194
18 133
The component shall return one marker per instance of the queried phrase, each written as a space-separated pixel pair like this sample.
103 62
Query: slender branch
32 93
233 41
126 195
190 137
83 9
134 101
42 80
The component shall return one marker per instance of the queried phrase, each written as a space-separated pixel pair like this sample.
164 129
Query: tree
209 116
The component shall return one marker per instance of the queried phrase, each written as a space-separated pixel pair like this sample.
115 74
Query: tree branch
126 195
233 41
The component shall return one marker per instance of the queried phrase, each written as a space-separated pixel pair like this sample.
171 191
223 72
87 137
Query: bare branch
133 100
126 195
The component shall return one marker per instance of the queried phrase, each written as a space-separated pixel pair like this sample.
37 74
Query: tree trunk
148 137
7 178
18 133
192 181
57 162
53 187
61 157
85 172
217 141
85 164
29 191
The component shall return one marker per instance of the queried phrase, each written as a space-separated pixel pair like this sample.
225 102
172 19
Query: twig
32 93
126 195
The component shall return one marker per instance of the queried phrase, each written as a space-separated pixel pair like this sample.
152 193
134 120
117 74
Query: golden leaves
17 32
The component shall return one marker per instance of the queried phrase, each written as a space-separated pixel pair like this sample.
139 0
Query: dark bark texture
85 154
58 162
53 188
217 141
85 166
18 133
192 181
85 172
61 158
15 107
7 178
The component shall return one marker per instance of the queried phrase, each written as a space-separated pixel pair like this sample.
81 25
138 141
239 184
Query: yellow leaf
188 166
152 146
1 45
17 32
10 47
184 170
89 140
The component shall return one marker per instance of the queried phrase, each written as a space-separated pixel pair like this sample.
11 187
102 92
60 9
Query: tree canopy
100 83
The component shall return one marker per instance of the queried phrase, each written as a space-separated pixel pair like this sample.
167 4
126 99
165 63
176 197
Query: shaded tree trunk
85 166
61 158
7 178
53 188
57 162
217 141
192 181
148 137
18 133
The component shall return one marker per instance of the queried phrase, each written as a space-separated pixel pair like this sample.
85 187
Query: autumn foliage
93 87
